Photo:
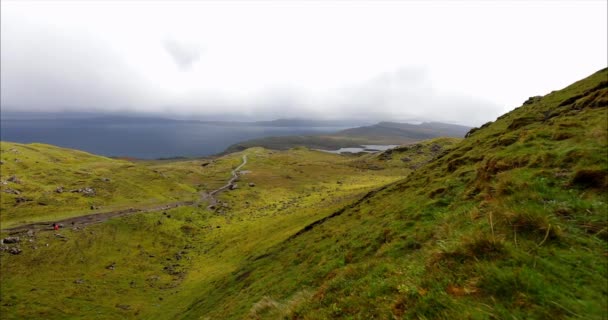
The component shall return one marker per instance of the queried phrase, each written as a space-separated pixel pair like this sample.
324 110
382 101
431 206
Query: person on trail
55 226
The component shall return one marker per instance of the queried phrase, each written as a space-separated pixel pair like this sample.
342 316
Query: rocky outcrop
87 191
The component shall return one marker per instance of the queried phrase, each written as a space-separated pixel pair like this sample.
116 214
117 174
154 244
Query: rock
93 207
59 189
406 159
30 233
22 199
11 240
13 179
87 191
105 179
204 164
3 182
234 186
532 100
435 147
14 250
123 306
1 162
78 281
251 184
11 191
112 266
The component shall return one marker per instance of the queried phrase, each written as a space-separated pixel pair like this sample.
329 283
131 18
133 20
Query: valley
509 222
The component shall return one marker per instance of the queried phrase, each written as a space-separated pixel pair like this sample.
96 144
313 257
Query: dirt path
103 216
235 175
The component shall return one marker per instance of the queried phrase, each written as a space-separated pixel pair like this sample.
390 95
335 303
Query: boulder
532 100
13 179
11 191
11 240
87 191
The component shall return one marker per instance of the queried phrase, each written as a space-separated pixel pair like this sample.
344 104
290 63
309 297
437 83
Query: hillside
43 182
383 133
507 223
511 223
150 264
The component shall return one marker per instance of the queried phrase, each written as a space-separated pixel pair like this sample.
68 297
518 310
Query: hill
383 133
509 222
42 182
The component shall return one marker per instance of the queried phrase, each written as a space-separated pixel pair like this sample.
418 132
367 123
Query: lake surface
370 148
144 140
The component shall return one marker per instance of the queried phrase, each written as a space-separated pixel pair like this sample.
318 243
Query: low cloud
184 55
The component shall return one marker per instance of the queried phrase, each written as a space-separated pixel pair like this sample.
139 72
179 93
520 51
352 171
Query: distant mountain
394 131
380 133
310 123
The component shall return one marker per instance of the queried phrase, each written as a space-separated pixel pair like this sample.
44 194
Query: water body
143 139
370 148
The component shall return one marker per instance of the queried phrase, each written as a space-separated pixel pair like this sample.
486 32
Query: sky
456 62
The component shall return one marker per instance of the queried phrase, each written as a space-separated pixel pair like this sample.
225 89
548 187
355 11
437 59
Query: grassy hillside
41 182
153 265
509 224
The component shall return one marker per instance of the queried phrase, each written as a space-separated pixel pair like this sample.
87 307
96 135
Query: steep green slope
509 224
153 264
41 182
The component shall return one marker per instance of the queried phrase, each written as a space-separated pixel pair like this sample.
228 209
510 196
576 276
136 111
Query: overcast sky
459 62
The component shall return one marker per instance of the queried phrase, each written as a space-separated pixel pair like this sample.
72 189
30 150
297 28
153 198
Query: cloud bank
462 62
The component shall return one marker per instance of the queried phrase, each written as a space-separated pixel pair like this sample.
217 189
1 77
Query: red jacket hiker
55 226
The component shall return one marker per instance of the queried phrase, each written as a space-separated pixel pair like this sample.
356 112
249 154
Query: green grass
508 223
41 169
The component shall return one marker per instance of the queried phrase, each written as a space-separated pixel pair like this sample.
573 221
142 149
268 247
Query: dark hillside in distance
148 137
383 133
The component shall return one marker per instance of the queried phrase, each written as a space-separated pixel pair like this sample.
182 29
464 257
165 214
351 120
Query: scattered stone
87 191
112 266
14 250
204 164
59 235
59 189
13 179
105 179
532 100
435 147
11 191
123 306
93 207
339 182
1 162
22 199
30 233
11 240
406 159
2 182
78 281
233 186
251 184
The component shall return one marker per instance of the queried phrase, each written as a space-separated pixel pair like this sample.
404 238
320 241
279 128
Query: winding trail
85 220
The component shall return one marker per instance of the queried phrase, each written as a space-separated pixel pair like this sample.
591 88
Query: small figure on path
55 226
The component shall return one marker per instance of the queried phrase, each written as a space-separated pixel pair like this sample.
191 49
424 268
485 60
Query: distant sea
143 139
